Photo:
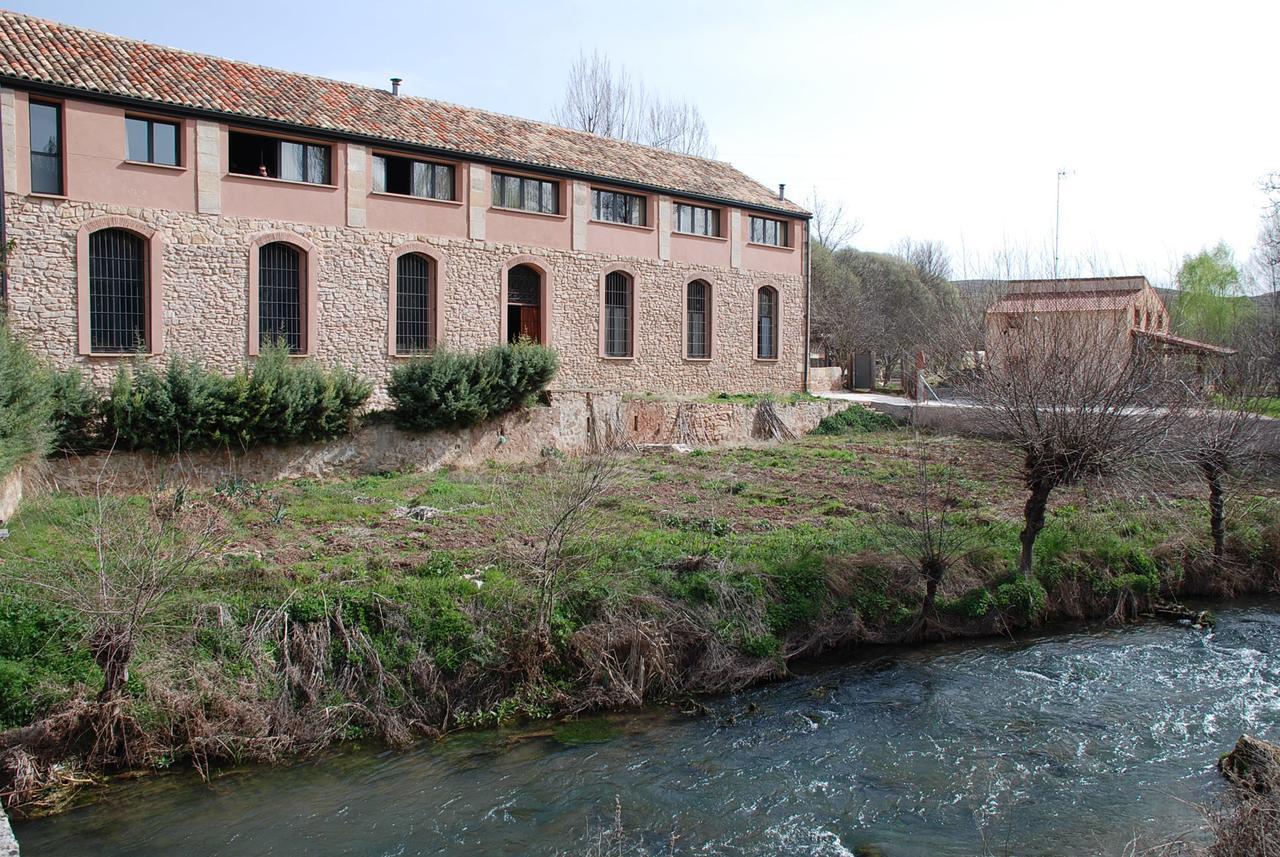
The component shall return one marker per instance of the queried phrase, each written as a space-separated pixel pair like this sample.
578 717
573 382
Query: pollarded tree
1076 398
1221 434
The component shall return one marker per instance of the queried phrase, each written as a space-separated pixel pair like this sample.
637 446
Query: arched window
618 324
415 304
767 323
117 292
524 304
281 304
698 320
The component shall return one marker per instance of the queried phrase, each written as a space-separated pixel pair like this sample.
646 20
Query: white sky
935 120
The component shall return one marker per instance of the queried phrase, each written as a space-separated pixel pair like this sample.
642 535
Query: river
1061 744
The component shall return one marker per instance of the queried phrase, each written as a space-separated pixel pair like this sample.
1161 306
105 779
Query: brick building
175 203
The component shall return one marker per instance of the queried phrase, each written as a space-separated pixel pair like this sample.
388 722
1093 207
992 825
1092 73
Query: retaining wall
573 424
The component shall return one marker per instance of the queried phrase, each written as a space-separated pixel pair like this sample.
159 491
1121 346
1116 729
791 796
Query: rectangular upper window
151 141
406 176
271 157
765 230
615 207
696 220
46 147
526 194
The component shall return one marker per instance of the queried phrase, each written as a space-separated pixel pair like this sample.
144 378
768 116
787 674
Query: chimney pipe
782 191
395 86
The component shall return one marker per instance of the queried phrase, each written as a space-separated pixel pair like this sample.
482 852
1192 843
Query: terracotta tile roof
1126 284
59 55
1062 302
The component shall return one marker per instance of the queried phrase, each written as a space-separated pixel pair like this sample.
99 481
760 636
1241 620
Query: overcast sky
934 120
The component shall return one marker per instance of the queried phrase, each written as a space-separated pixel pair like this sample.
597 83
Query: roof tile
34 49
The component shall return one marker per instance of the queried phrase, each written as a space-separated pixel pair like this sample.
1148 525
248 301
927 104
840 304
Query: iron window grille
281 268
408 177
614 207
526 194
46 147
151 141
698 308
415 304
256 155
524 286
767 324
765 230
697 220
617 315
117 292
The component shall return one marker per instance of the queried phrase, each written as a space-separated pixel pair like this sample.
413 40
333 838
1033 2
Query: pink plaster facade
203 225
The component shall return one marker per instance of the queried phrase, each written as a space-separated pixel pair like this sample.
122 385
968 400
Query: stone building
1113 315
167 202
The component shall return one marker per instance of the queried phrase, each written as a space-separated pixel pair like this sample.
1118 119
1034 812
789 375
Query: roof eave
384 142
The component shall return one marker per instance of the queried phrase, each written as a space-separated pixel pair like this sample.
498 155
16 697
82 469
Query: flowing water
1065 744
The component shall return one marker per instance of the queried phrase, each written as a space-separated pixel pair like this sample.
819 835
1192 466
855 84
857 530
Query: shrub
280 400
451 389
855 420
1021 597
76 412
25 406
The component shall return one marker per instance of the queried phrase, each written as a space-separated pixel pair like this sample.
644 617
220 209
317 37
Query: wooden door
531 323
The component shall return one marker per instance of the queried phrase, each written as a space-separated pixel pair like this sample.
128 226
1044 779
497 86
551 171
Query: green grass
792 534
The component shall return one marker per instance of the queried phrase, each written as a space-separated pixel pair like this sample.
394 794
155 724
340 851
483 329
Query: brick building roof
1079 294
70 58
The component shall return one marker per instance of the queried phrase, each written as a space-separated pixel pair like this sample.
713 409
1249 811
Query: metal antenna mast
1057 220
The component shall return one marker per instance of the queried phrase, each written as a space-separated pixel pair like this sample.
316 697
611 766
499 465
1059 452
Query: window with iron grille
524 286
151 141
257 155
415 304
697 220
412 178
46 147
526 193
117 291
765 230
615 207
617 315
281 271
767 324
698 311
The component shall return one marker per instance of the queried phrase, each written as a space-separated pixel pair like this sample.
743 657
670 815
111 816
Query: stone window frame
310 302
547 307
755 323
713 288
154 242
634 276
439 265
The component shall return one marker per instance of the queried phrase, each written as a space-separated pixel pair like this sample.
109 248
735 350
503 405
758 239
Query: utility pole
1057 219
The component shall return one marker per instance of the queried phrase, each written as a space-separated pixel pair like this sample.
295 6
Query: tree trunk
112 649
1217 528
1033 518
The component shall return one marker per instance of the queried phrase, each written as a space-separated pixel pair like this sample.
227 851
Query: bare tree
921 532
606 101
1221 434
1079 401
553 538
120 561
831 226
930 258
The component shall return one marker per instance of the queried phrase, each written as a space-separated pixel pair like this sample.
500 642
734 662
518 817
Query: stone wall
8 845
573 424
205 287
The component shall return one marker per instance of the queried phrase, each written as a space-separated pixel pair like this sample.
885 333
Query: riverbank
397 606
1049 745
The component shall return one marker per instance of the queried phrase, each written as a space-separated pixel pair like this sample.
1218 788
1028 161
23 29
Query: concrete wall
573 424
8 845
